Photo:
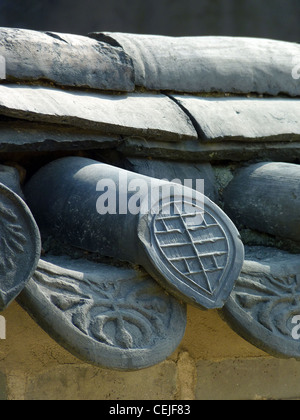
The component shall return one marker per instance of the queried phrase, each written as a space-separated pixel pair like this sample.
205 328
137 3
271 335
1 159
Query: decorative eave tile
20 245
264 306
113 317
178 235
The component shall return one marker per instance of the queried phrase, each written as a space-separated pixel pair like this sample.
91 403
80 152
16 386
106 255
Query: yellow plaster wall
212 362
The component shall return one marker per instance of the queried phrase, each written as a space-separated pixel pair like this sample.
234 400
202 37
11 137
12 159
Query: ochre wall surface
212 362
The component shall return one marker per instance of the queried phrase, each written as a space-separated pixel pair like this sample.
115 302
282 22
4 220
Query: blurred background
277 19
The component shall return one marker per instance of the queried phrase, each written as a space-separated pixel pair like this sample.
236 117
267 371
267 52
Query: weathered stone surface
180 171
89 383
68 60
113 317
248 379
210 64
265 301
20 245
2 68
184 240
149 115
3 391
25 136
266 197
244 119
10 177
194 150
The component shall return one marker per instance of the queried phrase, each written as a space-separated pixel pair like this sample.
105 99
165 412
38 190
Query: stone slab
25 136
244 119
210 63
149 115
265 300
109 316
191 150
65 59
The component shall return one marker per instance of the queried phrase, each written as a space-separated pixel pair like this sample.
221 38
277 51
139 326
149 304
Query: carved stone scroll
113 317
264 307
19 245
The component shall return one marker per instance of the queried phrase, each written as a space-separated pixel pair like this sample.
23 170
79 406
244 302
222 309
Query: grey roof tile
240 119
66 60
211 63
149 115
